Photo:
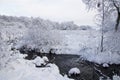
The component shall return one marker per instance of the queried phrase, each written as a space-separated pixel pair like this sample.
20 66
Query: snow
68 41
83 43
38 61
116 77
45 58
45 35
102 57
21 69
105 65
74 71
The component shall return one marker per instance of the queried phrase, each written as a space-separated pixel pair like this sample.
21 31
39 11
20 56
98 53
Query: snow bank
21 69
102 57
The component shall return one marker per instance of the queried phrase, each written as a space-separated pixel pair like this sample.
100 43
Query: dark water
89 71
66 62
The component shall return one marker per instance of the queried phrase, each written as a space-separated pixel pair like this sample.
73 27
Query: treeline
29 22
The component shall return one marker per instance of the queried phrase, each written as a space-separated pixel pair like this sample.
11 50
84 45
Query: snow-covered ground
21 69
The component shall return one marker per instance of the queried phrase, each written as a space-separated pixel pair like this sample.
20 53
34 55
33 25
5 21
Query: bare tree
110 7
105 9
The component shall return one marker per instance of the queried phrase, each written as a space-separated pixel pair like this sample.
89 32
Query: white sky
55 10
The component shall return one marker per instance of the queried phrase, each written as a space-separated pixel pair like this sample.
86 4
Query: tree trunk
102 34
117 21
118 15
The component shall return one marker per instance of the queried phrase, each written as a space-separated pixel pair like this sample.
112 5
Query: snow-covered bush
38 61
74 71
42 39
68 26
10 35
